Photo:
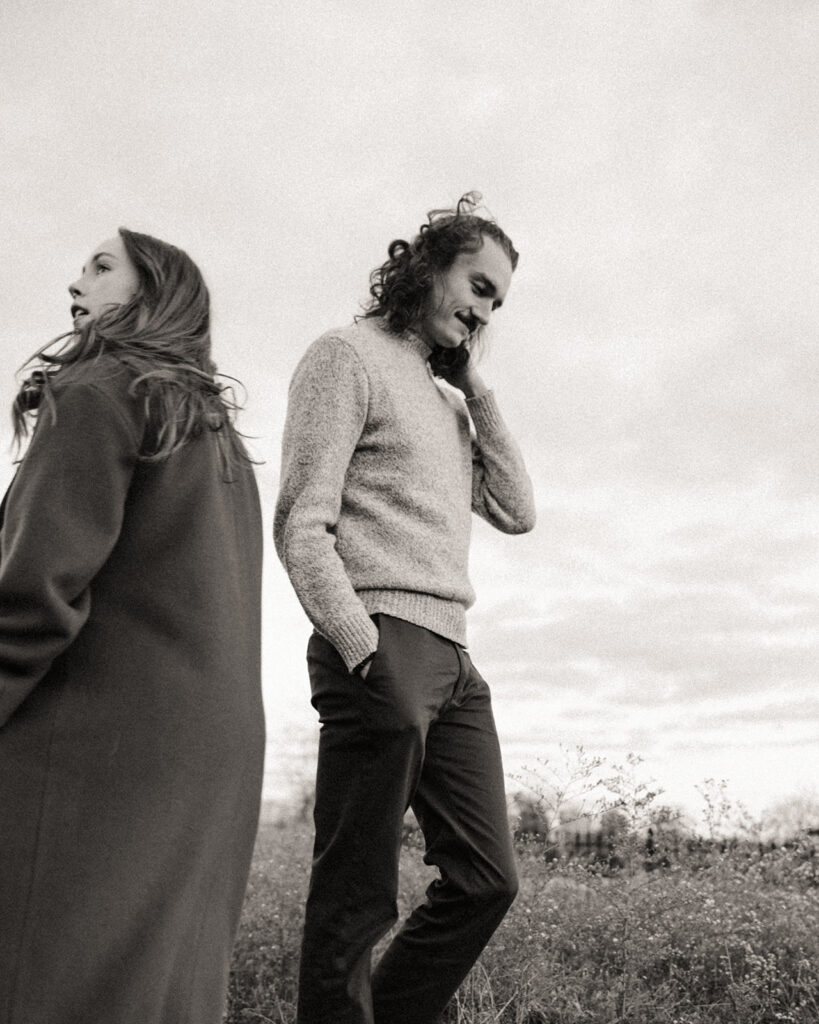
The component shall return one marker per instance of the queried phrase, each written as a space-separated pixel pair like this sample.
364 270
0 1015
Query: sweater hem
440 615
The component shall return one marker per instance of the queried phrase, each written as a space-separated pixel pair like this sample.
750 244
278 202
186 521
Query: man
381 470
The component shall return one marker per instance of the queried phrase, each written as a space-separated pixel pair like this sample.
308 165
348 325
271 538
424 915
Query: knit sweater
380 474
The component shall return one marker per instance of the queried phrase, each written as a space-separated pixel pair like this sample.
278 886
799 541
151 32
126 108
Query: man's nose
481 311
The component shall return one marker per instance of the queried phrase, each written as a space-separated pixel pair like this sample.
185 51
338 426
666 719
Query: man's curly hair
401 286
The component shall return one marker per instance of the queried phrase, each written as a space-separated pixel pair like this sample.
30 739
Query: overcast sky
656 165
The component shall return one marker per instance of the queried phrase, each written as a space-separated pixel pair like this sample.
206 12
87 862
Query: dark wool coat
131 723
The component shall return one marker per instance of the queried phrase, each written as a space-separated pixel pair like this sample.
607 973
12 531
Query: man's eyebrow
490 285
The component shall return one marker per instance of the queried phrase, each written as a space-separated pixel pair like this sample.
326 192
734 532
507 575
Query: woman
380 475
131 723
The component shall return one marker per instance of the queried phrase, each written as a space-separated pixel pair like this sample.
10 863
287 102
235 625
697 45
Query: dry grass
734 941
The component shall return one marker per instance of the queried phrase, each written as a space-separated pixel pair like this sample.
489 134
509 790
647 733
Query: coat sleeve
501 489
326 414
62 516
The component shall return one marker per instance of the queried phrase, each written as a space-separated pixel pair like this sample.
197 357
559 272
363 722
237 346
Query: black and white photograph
409 557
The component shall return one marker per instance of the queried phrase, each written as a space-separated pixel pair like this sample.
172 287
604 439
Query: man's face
464 297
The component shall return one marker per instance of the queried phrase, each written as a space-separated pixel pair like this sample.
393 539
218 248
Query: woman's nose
74 289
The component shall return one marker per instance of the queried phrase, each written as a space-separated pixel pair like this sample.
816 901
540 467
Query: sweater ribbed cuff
354 639
485 413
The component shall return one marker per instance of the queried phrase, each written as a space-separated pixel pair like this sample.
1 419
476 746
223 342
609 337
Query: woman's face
108 279
464 297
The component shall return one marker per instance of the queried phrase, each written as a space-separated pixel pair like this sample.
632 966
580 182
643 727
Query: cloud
622 628
655 165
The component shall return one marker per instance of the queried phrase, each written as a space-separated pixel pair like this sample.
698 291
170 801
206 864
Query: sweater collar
407 339
415 343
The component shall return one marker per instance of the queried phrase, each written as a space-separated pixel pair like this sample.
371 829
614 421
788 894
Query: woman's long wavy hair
401 287
163 335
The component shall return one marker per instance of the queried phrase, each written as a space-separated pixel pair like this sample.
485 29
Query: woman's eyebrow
97 255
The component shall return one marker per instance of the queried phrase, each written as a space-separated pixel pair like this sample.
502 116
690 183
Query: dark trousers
419 732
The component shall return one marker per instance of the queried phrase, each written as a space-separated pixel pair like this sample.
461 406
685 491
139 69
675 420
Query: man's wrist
362 664
474 386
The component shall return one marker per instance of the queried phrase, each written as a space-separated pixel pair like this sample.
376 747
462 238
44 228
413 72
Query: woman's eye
101 267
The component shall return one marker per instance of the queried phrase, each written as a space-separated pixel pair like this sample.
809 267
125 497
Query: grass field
730 938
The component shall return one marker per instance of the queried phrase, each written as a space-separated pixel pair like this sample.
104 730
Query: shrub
726 933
